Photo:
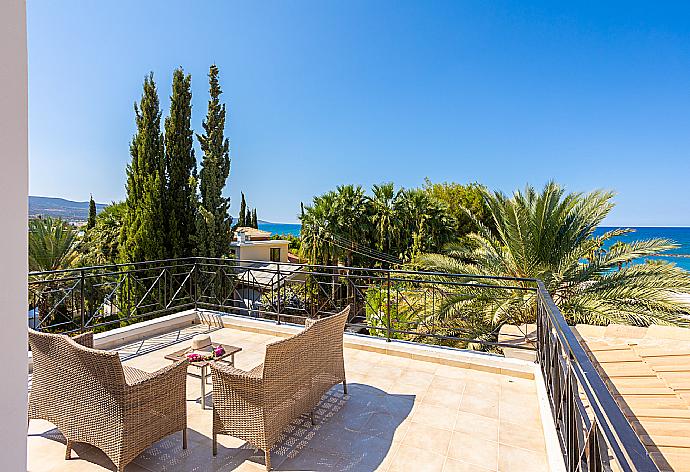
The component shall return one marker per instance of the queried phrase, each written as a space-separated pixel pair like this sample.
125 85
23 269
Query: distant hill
73 211
61 208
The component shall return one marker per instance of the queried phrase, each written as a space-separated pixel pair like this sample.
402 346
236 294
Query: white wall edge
553 445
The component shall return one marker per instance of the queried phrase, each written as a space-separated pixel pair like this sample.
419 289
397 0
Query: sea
292 229
680 235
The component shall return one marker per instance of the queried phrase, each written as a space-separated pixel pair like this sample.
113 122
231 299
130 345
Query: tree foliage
242 218
143 234
390 222
460 200
92 214
549 235
213 223
101 243
53 244
180 164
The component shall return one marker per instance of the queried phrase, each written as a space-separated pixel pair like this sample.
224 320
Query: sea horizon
678 234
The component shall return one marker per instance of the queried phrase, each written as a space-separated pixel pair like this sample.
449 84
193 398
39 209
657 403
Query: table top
179 355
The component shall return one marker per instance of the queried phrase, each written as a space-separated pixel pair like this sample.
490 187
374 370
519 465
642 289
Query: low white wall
441 355
136 332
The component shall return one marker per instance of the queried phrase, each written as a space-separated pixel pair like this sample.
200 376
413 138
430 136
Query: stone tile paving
400 415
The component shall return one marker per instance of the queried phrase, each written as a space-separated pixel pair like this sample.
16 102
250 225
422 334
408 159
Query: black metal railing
593 431
419 306
394 304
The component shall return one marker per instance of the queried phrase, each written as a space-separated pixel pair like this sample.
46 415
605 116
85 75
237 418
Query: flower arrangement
218 351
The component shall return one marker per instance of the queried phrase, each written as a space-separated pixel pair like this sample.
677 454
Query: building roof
253 233
266 275
261 242
648 372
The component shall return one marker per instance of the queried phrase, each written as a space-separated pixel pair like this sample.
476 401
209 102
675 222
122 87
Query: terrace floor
400 415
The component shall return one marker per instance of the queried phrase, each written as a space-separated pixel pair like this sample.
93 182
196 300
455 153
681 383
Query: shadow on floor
352 432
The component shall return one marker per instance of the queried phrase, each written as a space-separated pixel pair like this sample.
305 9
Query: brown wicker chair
256 406
92 398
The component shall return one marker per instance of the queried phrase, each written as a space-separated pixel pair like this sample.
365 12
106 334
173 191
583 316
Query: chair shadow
170 446
352 432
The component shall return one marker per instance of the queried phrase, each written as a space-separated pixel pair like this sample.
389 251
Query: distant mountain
75 211
61 208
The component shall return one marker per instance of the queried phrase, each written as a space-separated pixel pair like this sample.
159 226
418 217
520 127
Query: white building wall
13 237
262 251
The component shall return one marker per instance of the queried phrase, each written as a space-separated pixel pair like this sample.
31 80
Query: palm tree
317 223
351 218
101 242
52 244
550 236
425 221
384 216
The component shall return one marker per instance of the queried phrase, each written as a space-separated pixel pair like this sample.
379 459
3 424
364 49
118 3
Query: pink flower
219 351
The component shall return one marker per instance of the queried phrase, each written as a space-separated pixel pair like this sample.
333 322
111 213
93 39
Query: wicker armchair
92 398
258 405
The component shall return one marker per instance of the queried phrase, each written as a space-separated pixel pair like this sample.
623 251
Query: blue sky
593 95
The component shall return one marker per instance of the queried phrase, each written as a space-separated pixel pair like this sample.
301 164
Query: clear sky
593 95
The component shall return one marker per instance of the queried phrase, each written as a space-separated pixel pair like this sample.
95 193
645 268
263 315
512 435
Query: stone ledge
139 331
438 354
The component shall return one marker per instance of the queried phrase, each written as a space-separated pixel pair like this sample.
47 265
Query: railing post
278 302
81 284
195 285
388 308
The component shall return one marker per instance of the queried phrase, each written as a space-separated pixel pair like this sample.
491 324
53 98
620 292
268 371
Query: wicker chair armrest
243 386
162 376
231 372
84 339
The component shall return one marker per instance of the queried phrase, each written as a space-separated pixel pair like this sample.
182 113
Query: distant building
264 268
252 244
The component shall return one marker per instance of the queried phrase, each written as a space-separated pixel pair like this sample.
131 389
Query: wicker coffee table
228 357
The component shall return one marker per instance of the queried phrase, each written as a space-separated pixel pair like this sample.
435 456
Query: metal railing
593 431
394 304
419 306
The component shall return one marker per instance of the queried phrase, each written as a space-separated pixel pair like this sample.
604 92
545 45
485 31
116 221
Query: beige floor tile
396 361
401 414
481 427
526 414
433 415
490 391
412 459
427 437
445 383
451 372
445 398
417 378
454 465
423 366
514 459
523 436
401 387
471 449
479 405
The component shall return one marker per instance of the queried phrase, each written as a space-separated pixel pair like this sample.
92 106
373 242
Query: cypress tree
213 222
248 218
92 214
180 164
242 219
142 237
255 222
